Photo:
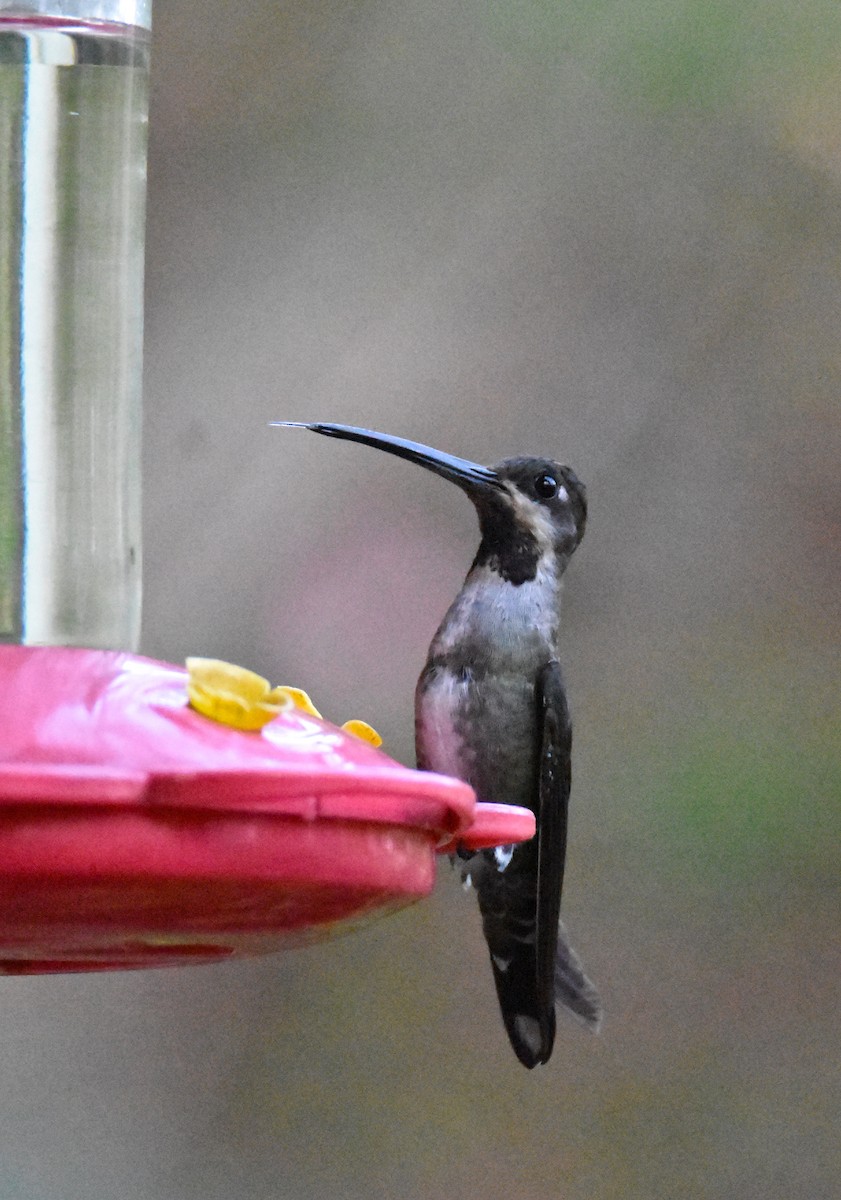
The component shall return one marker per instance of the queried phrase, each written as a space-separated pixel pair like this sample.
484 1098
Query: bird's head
537 508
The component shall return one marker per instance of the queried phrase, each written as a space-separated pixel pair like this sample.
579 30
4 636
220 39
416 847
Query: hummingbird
491 709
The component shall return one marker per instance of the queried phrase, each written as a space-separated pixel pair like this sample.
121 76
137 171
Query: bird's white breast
439 743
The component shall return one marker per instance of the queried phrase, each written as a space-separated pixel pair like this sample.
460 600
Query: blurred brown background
605 233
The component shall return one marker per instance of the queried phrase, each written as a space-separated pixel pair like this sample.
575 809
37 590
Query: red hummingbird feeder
135 832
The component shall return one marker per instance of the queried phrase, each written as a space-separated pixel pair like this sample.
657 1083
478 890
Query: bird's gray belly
480 730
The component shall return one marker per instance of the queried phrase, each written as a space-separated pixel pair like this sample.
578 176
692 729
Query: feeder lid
136 832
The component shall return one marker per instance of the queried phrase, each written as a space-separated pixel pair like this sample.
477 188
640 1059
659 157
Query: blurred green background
605 232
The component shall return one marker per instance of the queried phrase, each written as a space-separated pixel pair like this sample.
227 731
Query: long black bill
469 475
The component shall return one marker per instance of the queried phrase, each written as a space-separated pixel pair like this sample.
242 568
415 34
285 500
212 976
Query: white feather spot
501 964
528 1030
503 856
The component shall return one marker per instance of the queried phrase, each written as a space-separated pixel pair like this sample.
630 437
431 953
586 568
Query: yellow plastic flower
300 699
359 729
240 698
232 695
363 731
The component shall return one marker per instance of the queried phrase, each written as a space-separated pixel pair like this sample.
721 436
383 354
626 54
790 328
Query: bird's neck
509 550
495 619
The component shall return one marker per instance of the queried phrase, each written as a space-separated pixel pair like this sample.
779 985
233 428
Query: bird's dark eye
546 486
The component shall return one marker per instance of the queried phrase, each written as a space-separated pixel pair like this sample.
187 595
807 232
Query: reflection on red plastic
136 833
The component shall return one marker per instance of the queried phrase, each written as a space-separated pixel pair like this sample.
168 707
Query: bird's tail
573 990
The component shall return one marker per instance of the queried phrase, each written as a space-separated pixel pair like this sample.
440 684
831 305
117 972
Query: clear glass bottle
73 116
